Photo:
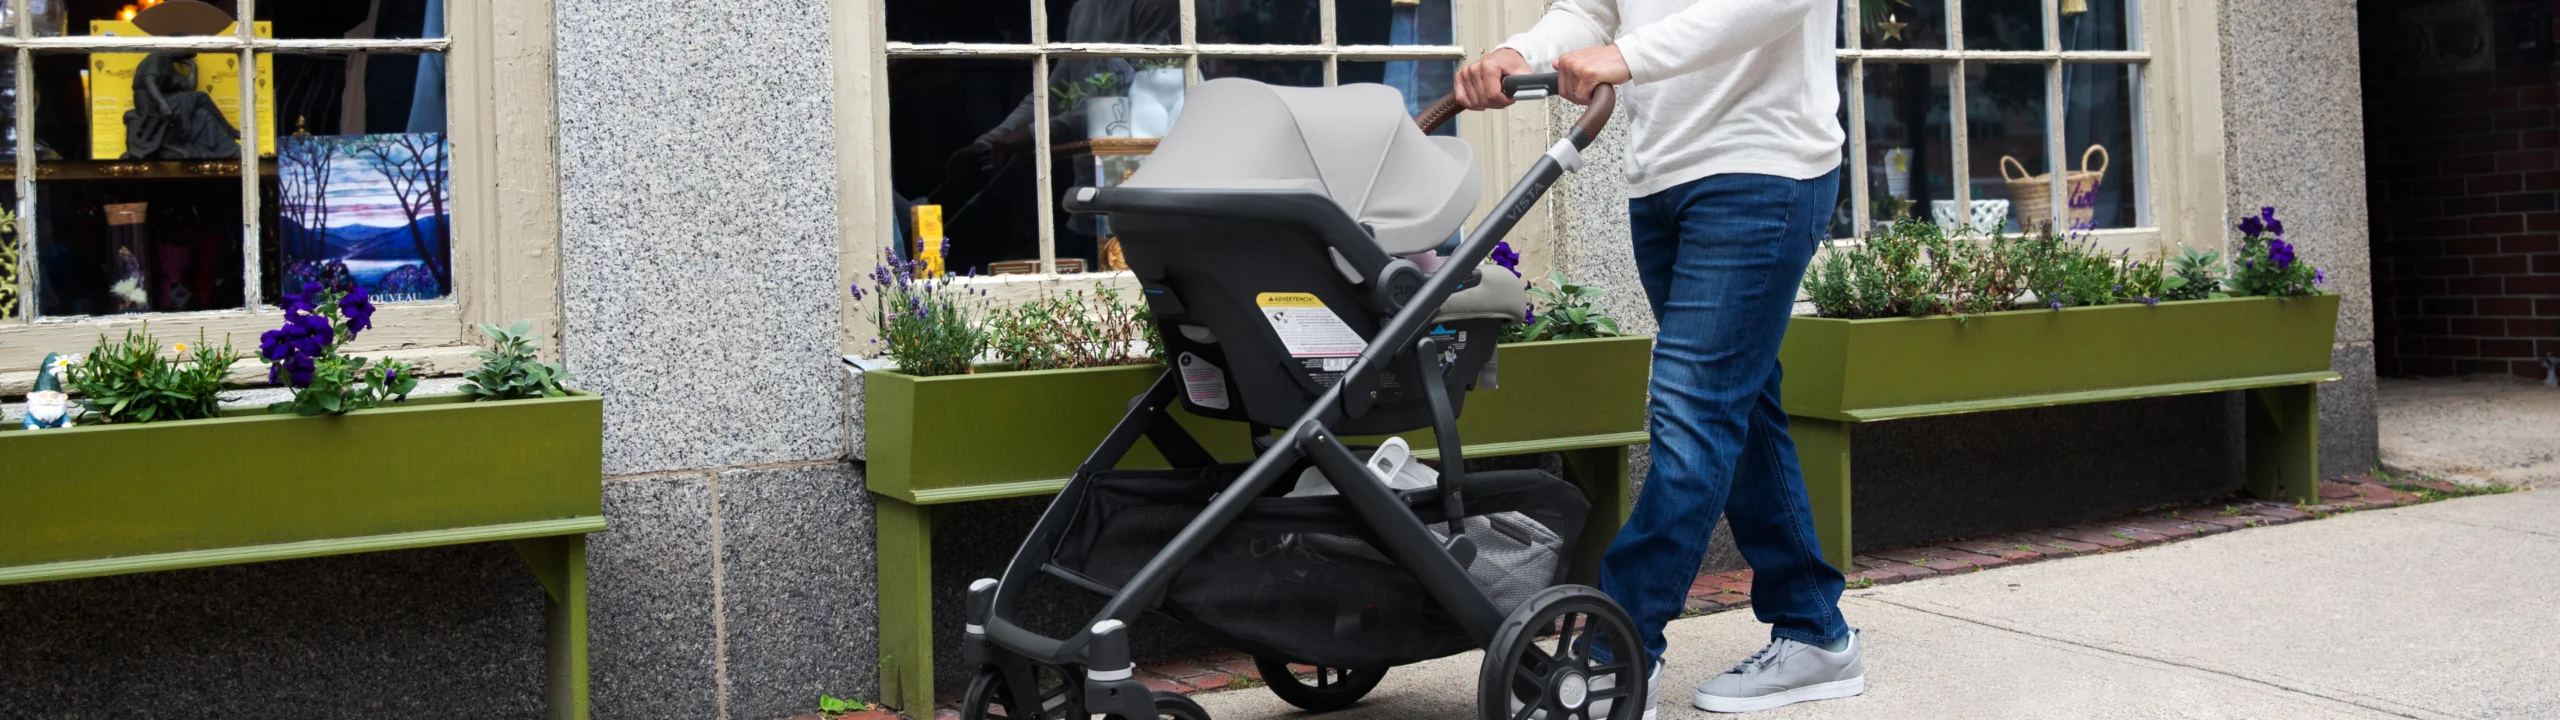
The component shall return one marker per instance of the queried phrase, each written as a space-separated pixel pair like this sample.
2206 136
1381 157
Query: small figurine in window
47 405
171 119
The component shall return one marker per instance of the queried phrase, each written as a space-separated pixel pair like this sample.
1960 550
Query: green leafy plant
1159 63
830 706
2267 262
508 369
1073 329
130 382
305 354
1571 312
926 324
1915 268
2195 274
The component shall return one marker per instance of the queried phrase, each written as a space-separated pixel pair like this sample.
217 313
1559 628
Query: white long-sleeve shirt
1720 86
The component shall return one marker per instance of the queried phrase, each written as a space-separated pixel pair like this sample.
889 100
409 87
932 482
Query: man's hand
1480 83
1580 71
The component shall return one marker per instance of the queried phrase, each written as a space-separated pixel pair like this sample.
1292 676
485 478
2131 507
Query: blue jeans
1720 259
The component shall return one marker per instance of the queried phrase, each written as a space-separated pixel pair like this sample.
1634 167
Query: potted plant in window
156 474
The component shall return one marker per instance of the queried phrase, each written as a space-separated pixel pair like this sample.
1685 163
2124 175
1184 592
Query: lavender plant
1918 269
2267 263
925 324
304 354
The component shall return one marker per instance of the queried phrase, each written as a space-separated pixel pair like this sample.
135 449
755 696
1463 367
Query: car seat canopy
1353 144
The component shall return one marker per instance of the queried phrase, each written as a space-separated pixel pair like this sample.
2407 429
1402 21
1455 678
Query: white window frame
2178 151
489 75
1505 142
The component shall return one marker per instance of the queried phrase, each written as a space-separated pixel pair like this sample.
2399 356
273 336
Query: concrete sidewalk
2444 610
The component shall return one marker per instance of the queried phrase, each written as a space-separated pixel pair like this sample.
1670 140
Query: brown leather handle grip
1604 100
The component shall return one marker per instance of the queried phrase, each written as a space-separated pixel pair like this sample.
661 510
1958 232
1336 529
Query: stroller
1283 239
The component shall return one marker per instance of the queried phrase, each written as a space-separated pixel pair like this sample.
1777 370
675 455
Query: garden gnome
2551 369
47 405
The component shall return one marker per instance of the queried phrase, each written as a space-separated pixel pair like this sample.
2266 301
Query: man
1733 166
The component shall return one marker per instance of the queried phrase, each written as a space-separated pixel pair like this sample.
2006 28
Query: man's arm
1708 33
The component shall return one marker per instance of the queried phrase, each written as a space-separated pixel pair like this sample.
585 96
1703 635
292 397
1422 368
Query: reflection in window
960 137
1261 22
1424 22
2005 122
959 21
353 19
2100 24
1844 214
2004 24
1136 22
2101 104
1422 82
1910 147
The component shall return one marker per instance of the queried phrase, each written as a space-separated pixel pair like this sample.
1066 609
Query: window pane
1144 22
326 19
1844 215
52 18
2004 24
959 21
1112 118
361 185
2100 24
1422 82
960 137
1259 22
1423 22
137 203
1297 73
2005 120
1903 25
2101 130
1909 144
129 19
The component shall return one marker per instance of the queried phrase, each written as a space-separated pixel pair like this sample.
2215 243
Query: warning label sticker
1307 327
1206 384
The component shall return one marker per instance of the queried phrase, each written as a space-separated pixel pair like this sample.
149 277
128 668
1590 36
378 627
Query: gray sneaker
1785 673
1652 694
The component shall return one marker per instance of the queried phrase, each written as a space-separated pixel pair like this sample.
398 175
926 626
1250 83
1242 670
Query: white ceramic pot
1155 97
1988 216
1106 117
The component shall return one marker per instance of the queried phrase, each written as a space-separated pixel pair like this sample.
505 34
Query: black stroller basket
1283 302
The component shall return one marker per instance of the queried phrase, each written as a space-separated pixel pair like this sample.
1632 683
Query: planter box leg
906 605
561 564
2284 443
1822 449
1602 475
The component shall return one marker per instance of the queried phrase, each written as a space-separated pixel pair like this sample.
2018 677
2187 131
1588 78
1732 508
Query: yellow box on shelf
110 85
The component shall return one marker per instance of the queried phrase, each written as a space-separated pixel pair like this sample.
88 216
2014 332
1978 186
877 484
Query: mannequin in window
171 119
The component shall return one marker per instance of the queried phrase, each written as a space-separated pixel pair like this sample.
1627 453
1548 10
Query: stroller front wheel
1541 663
1332 689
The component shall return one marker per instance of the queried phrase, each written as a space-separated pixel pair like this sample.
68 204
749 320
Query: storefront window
2026 114
980 108
151 182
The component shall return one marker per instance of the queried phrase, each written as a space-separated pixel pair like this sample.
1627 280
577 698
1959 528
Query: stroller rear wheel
1326 690
989 697
1540 664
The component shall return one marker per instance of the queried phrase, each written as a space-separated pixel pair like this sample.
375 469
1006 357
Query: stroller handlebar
1595 116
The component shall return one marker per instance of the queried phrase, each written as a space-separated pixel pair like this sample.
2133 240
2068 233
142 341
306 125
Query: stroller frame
1109 687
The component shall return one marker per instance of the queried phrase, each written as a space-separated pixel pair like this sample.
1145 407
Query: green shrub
1571 312
1918 269
1074 329
129 381
508 369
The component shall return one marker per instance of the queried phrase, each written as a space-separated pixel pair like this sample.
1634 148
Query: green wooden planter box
1839 373
940 440
252 487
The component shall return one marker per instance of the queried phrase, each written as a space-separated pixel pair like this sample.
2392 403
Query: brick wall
2464 181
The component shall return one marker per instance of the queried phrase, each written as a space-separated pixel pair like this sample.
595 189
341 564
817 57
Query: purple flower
2319 276
857 291
2150 300
1530 315
2057 305
2281 252
357 307
1504 256
2276 227
2251 226
391 376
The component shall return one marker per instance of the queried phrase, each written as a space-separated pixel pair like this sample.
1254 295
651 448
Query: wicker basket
2032 195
